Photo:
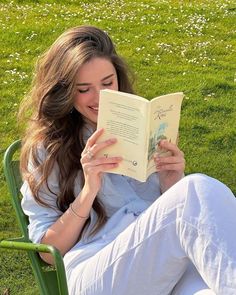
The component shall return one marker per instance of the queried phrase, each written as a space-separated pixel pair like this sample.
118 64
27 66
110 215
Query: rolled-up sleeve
41 217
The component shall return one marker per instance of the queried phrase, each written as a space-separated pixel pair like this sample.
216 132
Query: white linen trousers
190 227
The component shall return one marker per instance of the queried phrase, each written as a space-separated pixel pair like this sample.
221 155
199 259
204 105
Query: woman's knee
206 196
207 187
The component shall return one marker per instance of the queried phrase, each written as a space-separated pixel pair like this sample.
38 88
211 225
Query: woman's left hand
170 167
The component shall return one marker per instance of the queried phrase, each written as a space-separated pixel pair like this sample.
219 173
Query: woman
171 234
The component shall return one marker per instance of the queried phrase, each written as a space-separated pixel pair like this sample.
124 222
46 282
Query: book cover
138 124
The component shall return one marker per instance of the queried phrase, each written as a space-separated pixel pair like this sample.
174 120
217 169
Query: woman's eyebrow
107 77
103 79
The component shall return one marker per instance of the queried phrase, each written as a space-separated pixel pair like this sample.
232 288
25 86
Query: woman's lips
94 109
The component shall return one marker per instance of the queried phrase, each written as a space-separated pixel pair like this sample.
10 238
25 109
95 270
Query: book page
123 116
164 124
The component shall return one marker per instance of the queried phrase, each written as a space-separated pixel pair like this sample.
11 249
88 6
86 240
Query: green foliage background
187 46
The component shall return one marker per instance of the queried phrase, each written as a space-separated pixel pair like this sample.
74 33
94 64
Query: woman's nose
97 93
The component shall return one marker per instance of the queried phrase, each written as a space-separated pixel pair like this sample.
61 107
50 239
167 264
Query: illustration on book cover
155 138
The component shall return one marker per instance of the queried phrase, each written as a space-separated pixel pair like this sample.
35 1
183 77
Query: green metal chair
50 279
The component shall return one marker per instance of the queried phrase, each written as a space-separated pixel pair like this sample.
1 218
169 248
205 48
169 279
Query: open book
138 125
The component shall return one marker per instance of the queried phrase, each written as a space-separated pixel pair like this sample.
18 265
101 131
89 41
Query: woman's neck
90 123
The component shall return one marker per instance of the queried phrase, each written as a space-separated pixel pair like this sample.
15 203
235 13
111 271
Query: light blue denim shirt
123 198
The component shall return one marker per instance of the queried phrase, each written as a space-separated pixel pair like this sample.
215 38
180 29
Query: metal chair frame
51 280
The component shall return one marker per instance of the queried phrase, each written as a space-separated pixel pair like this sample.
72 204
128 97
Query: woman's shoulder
41 151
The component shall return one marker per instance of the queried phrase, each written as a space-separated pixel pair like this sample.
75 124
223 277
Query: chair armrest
16 244
28 246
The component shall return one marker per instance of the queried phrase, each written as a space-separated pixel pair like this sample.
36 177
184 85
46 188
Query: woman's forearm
65 232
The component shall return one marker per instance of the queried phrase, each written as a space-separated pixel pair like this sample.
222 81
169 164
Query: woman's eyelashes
83 90
107 84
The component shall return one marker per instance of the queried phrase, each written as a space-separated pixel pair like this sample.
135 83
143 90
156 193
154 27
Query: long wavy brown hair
54 123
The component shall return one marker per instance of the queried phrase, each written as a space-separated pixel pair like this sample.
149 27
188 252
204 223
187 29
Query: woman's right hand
94 166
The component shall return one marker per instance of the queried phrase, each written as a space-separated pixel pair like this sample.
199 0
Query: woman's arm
64 233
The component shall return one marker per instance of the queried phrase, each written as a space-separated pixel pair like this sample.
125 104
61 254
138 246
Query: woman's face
98 73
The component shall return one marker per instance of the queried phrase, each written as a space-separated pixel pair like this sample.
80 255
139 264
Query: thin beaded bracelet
76 214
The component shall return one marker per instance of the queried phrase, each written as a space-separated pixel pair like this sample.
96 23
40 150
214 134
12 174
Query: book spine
146 139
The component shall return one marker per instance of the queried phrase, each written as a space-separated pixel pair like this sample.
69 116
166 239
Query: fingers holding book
94 165
169 158
170 165
89 154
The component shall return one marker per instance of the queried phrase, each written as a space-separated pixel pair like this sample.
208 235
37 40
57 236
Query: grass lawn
171 46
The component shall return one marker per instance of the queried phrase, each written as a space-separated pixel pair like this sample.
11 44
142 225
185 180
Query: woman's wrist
73 211
82 205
